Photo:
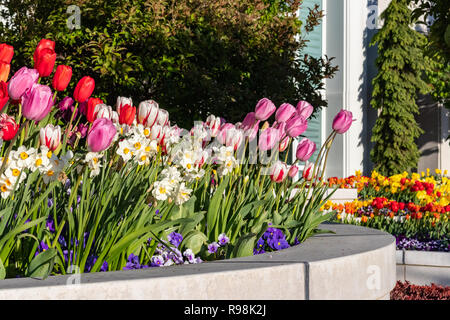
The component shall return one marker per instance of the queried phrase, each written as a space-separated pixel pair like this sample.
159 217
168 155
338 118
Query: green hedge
194 57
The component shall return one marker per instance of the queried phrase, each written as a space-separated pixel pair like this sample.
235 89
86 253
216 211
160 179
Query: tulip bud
92 108
101 135
234 138
21 81
222 135
163 117
268 139
115 117
156 133
284 112
264 109
284 144
37 102
103 111
213 124
8 127
6 53
305 149
43 44
62 77
4 97
121 102
304 109
296 126
127 114
4 71
148 113
50 136
84 89
45 62
293 170
279 172
342 121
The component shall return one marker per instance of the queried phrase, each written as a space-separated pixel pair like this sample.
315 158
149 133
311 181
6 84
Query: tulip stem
69 128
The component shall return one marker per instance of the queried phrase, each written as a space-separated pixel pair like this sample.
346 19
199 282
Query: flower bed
407 291
88 188
415 208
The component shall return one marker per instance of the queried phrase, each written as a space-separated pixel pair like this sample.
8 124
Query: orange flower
364 219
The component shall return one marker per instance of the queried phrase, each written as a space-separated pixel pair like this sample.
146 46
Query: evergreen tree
400 66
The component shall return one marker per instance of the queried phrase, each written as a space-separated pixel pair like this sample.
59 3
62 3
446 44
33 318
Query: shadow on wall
429 120
365 89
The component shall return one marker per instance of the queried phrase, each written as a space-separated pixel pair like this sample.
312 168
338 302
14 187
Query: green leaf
2 270
42 265
194 241
244 246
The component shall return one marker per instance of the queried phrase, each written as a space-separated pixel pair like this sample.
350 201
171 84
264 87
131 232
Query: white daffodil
162 189
24 156
124 150
183 194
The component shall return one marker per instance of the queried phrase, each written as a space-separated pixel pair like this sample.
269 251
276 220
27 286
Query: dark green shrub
192 56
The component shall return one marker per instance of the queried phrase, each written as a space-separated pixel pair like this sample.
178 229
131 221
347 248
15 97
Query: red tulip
92 102
4 97
84 89
45 62
62 77
43 44
127 114
4 71
6 53
8 127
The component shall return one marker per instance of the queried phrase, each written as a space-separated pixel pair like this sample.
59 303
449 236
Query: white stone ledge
423 267
353 263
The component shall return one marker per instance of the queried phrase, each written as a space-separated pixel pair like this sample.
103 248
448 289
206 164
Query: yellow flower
438 171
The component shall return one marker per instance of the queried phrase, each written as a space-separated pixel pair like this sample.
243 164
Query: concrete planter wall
353 263
423 267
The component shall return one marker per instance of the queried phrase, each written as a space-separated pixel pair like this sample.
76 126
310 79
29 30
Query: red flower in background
43 44
45 62
4 97
84 89
127 114
62 77
6 53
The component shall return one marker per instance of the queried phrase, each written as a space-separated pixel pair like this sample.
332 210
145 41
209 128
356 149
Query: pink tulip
342 121
21 81
268 139
293 170
304 109
284 112
101 135
264 109
296 126
308 171
148 113
50 136
305 149
222 135
279 172
37 102
249 121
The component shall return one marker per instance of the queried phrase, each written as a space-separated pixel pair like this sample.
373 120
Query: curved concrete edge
423 267
353 263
